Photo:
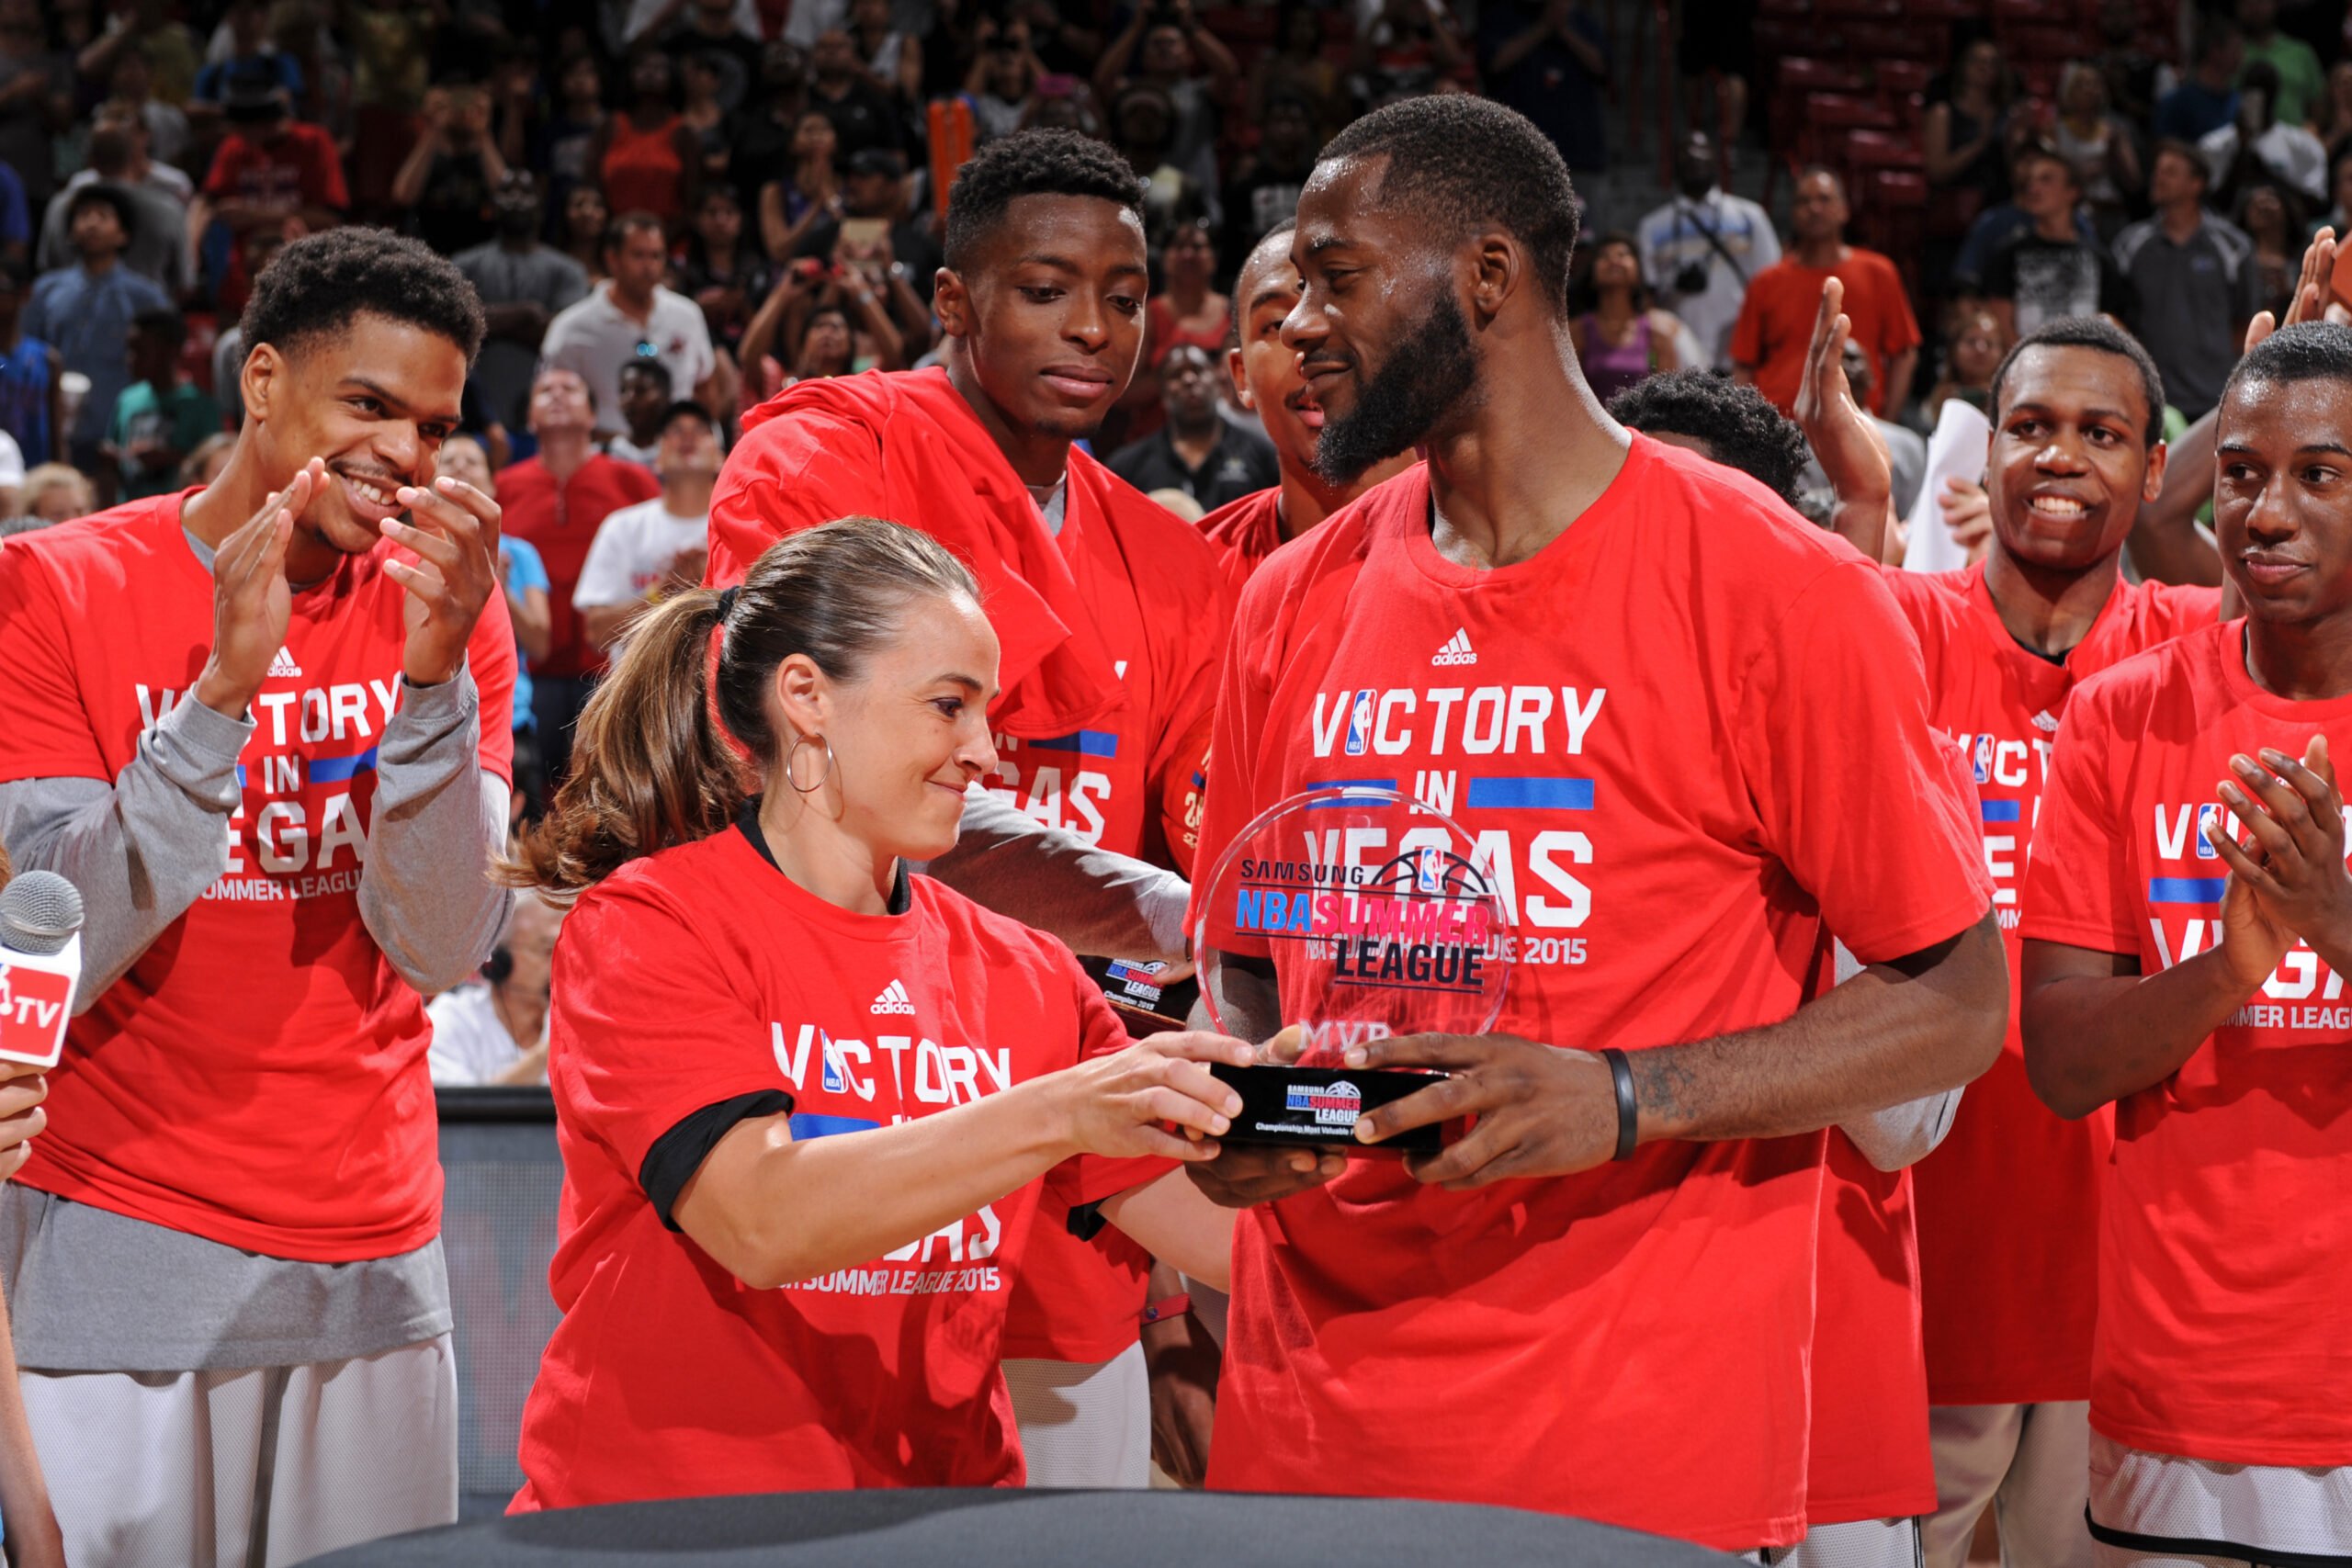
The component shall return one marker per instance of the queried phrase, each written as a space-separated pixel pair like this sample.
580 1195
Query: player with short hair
263 725
1671 819
1268 381
2185 947
1112 614
1721 419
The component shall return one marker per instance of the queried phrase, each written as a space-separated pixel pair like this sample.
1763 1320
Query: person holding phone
812 1107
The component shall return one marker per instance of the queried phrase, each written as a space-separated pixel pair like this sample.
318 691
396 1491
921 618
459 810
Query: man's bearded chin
1425 378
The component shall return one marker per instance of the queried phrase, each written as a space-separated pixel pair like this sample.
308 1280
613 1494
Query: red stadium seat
1874 43
1828 115
1802 75
1869 150
1899 79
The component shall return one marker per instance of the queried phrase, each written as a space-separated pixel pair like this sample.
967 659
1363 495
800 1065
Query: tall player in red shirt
1269 380
1111 614
2185 948
1731 750
807 1100
263 726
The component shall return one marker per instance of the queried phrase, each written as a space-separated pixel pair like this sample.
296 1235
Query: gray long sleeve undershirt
1098 903
143 850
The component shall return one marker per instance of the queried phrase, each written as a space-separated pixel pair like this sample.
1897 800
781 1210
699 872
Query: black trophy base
1316 1108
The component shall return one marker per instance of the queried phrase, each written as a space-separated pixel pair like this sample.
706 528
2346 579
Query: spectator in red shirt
270 168
1767 344
557 500
272 165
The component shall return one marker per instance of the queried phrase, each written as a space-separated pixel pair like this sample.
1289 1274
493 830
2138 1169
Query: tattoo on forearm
1663 1085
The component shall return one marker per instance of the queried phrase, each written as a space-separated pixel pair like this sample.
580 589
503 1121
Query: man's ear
951 302
1242 392
1497 269
265 373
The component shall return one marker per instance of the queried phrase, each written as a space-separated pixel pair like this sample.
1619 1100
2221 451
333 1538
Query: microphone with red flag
41 963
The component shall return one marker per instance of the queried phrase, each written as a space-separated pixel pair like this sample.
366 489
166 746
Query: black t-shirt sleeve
2117 297
2000 279
674 1157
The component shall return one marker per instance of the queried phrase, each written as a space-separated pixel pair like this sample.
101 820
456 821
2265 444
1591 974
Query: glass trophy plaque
1378 920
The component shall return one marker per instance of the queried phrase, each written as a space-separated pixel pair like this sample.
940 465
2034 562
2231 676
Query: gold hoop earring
794 750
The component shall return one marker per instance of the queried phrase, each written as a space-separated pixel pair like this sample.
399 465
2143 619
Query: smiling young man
1111 616
1671 820
2007 1207
263 725
1268 381
2186 945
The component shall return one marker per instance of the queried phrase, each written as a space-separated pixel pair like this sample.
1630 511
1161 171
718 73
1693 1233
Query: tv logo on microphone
34 1006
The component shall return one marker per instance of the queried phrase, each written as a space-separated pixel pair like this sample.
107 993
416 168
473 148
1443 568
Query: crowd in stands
675 208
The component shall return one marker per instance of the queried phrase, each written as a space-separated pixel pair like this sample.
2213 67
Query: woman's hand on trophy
1540 1110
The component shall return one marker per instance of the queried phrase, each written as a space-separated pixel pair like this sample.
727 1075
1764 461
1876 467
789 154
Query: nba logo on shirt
834 1079
1430 874
2209 826
1359 724
1983 759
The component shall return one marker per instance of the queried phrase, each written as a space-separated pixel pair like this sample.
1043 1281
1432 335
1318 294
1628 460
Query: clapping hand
251 601
452 530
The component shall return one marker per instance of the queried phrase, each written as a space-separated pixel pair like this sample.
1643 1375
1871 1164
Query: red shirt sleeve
1898 328
1179 751
44 731
220 181
322 173
792 473
640 1035
2078 885
1748 332
1860 797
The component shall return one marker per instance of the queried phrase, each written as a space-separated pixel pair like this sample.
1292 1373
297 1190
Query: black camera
1691 279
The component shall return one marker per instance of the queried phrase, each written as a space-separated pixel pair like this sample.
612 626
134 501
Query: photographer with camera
1700 249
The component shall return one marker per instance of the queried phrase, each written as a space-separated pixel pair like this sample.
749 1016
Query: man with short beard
263 725
1682 727
1111 616
1268 381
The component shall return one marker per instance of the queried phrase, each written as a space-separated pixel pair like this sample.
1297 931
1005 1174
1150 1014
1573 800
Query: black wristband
1621 1074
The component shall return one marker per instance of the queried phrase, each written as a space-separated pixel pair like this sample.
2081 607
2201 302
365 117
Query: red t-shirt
1775 323
703 974
1870 1455
2008 1204
2225 1242
561 520
257 1077
1244 532
1125 594
303 170
1732 748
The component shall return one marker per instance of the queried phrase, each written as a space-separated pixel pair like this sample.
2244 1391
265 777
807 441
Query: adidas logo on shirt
894 999
1457 650
283 666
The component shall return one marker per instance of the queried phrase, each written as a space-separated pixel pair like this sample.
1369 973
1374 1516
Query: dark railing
498 1152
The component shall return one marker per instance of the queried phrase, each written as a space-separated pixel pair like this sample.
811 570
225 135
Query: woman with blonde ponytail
811 1106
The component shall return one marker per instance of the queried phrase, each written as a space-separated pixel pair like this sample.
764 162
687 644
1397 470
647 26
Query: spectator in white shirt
659 546
1700 250
2260 142
496 1032
630 315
